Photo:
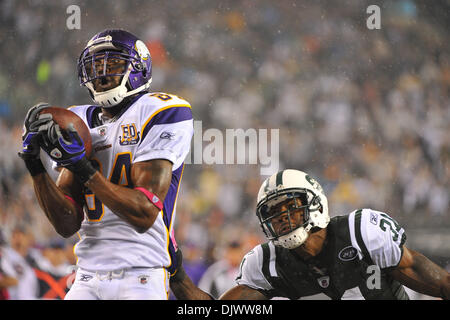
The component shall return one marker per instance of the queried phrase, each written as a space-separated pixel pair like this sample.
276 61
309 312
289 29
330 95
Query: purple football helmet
115 53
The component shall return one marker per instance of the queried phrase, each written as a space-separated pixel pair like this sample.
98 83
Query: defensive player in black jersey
361 255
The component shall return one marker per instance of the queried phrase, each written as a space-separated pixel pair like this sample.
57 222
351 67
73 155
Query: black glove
178 274
67 149
33 127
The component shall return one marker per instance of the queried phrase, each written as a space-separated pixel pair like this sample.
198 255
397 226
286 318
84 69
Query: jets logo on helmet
304 194
118 55
314 183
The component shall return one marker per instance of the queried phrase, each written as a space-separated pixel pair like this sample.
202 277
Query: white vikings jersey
154 126
356 243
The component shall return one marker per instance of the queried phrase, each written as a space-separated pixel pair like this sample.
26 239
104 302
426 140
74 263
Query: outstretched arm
420 274
60 204
242 292
182 286
184 289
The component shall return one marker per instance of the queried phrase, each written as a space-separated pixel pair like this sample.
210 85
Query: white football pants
125 284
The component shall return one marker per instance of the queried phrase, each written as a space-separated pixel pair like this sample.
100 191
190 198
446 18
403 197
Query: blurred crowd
366 112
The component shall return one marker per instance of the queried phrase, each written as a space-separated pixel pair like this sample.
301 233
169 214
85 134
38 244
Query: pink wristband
74 203
152 197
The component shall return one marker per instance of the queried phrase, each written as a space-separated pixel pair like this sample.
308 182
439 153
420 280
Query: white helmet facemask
293 239
282 188
115 95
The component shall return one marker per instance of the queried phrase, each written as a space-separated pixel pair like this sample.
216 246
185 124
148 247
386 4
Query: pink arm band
152 197
172 237
74 203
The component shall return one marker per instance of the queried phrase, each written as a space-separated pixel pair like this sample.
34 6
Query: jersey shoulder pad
162 108
250 270
80 110
83 111
162 99
378 237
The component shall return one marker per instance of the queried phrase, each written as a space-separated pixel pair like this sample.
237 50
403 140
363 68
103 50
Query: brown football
63 117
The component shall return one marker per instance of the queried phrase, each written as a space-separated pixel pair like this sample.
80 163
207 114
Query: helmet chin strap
113 97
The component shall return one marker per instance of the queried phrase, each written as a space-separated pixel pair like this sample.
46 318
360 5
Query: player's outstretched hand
63 146
68 150
33 127
34 124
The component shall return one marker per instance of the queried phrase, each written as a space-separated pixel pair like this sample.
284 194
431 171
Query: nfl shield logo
102 131
143 279
55 153
324 282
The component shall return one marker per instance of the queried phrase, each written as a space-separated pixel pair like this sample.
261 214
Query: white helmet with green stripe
287 185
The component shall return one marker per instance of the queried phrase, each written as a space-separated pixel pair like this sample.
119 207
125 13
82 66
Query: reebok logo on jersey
167 135
374 218
85 277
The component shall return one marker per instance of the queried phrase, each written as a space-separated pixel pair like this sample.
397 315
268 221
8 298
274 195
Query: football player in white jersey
121 202
361 255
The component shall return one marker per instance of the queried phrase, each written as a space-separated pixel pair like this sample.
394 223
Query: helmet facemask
104 66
